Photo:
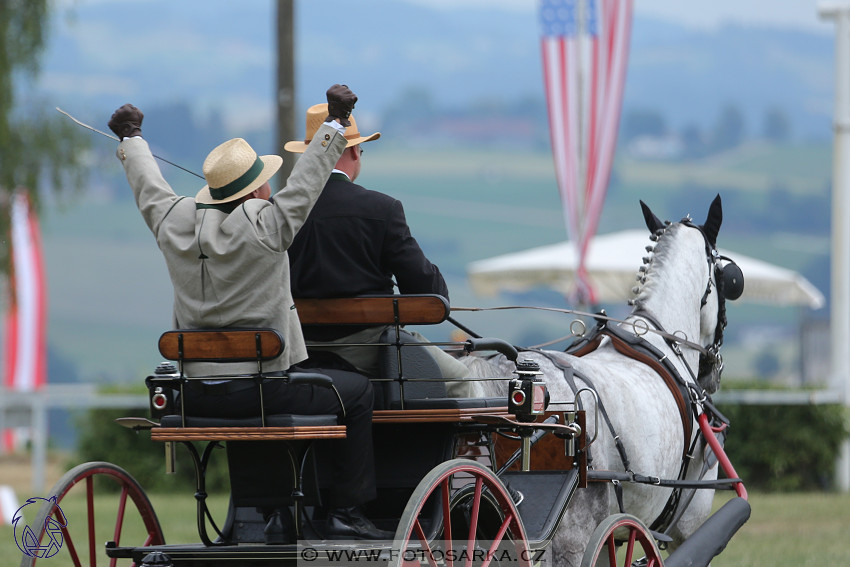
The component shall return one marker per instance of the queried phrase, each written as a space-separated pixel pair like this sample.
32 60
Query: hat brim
298 146
270 166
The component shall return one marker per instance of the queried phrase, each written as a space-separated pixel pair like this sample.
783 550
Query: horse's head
712 277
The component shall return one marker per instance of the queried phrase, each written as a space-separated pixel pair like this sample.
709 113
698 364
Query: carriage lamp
159 401
161 398
527 393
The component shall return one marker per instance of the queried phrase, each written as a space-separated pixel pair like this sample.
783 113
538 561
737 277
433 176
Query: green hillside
110 296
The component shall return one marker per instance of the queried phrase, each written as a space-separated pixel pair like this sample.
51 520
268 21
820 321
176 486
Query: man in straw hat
226 254
353 243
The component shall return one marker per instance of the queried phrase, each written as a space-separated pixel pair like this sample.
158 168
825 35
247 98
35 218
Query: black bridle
729 282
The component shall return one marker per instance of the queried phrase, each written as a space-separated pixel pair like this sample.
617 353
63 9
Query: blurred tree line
729 130
40 150
785 448
101 439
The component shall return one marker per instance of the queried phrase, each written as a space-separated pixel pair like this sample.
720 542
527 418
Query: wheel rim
82 536
622 541
459 514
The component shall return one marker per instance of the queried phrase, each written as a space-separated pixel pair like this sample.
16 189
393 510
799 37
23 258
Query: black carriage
456 478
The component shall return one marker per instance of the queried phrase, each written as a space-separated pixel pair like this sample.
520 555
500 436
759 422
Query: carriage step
712 536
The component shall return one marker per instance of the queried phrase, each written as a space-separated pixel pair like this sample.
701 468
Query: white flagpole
840 280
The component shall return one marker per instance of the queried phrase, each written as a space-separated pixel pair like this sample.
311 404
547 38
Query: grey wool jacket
232 269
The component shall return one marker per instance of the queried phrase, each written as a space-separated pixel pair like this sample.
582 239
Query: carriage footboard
545 497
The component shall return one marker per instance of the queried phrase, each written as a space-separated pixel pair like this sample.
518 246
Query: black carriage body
416 428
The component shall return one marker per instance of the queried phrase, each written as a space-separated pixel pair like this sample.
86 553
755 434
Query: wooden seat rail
374 310
247 433
434 415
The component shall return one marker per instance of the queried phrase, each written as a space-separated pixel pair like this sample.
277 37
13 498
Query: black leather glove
340 104
126 122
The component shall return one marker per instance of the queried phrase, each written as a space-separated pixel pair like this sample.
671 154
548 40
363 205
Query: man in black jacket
353 243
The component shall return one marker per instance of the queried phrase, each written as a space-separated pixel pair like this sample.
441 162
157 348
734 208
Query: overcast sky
697 13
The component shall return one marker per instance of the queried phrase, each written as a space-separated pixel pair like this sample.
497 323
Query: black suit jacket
353 243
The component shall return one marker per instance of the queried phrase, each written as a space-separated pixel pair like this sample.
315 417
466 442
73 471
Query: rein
639 329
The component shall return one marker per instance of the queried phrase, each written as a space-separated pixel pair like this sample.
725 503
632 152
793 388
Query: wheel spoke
473 520
497 540
90 509
630 548
612 550
447 520
72 550
420 533
119 520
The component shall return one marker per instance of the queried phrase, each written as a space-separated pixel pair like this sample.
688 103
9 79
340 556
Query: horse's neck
672 293
673 314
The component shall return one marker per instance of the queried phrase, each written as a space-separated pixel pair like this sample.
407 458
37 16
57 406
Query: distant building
656 148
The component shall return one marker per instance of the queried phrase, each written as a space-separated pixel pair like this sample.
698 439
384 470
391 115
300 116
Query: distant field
756 167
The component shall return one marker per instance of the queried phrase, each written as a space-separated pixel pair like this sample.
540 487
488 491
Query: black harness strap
638 348
569 375
610 476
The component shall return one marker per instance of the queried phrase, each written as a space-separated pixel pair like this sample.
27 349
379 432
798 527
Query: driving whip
110 136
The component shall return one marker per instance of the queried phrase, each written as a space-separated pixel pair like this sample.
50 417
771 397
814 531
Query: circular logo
28 539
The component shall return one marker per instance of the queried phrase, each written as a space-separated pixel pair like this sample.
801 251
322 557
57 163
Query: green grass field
793 529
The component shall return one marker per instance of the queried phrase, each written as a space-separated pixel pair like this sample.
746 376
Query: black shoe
279 529
350 523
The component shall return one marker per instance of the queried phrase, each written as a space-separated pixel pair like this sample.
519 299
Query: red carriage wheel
621 540
86 518
460 515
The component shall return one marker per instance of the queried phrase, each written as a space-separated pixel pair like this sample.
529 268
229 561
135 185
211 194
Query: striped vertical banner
584 48
26 352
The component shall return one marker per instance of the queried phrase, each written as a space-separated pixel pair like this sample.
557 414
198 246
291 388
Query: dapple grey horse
677 298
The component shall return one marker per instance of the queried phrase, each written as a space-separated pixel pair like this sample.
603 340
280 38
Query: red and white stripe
584 47
25 352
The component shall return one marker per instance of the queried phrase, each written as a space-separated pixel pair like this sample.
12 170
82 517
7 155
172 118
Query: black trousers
353 458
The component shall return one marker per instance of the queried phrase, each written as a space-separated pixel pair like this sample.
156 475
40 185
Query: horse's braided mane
658 257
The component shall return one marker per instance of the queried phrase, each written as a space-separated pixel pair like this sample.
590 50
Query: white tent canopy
612 264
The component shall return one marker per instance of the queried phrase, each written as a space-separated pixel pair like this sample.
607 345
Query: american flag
25 352
584 46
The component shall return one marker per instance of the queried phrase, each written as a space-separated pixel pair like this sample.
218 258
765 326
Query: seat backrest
421 309
416 363
221 345
226 345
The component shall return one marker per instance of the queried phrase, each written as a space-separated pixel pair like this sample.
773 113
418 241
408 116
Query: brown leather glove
340 104
126 122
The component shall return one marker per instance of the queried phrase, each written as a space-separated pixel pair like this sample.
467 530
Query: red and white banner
26 332
585 48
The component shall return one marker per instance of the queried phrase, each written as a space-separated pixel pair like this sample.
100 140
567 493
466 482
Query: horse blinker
733 280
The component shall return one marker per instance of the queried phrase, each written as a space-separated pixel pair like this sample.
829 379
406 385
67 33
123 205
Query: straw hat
233 170
316 115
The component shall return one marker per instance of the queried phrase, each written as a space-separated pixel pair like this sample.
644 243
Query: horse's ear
653 223
713 221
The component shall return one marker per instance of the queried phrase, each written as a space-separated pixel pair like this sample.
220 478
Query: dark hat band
239 183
